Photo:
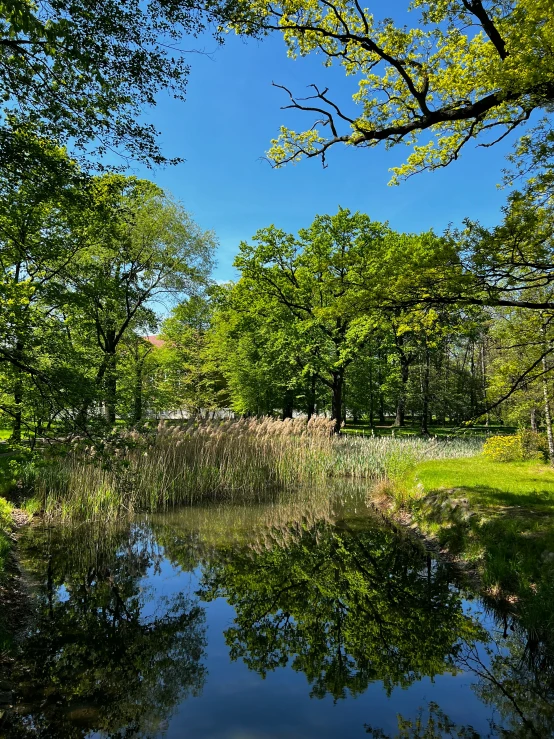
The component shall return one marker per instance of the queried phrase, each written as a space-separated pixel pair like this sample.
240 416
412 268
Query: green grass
497 516
490 483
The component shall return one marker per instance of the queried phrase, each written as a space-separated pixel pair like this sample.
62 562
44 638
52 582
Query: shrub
534 445
525 445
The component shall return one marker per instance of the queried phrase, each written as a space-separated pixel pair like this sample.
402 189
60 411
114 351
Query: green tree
80 72
467 69
260 353
142 247
315 280
189 380
39 239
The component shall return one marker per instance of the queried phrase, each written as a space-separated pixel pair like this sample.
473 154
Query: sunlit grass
498 516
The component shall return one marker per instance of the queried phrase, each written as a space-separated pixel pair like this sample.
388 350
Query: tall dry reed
242 460
171 465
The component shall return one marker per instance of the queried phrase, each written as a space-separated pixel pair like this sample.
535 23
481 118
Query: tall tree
142 247
315 279
40 209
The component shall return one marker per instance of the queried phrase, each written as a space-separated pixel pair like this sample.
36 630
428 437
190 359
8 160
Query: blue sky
224 128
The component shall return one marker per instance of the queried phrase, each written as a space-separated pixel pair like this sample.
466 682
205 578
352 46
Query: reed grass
244 460
388 458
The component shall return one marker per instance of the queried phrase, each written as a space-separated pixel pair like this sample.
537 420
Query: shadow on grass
507 537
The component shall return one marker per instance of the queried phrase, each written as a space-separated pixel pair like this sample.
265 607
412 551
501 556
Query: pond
292 618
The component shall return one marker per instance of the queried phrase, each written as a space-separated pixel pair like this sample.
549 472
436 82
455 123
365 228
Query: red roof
155 341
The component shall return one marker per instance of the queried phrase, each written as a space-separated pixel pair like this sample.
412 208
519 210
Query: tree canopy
461 70
81 73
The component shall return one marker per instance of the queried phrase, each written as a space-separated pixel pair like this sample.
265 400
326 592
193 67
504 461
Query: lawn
498 516
490 483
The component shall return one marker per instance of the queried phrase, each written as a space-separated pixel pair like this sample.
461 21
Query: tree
314 281
188 378
39 239
142 247
261 353
469 69
82 72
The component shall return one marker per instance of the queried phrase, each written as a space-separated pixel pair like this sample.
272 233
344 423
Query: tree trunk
336 405
472 398
371 409
380 392
533 420
547 414
400 418
18 400
425 392
137 407
17 396
288 404
110 388
404 376
484 381
311 397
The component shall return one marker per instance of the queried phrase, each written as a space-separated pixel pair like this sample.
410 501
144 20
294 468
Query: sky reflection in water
231 623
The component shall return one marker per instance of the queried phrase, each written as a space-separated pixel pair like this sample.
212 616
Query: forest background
343 315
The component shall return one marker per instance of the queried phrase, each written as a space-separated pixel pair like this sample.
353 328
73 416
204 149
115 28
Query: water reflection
93 659
345 608
117 645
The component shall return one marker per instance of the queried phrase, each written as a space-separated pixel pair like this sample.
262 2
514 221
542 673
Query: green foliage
525 445
459 71
430 724
83 261
82 73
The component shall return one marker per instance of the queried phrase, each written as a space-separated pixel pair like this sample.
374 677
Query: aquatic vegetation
385 457
247 459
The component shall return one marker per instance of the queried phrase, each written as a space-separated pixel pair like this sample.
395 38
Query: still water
309 618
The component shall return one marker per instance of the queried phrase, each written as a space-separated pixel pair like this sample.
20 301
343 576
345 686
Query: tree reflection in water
344 599
99 654
346 609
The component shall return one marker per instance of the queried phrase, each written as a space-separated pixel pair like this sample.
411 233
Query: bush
525 445
534 445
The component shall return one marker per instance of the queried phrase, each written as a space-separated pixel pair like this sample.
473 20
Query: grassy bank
496 516
234 460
